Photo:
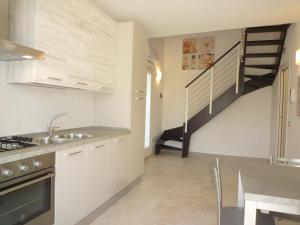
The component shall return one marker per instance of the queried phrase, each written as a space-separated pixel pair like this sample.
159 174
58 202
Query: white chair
233 215
285 162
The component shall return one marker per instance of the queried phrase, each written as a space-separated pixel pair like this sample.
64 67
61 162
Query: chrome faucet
50 128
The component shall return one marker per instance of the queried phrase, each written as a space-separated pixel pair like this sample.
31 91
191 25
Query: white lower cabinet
70 186
87 176
96 175
118 164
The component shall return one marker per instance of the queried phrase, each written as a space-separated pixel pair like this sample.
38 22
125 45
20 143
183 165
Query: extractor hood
10 51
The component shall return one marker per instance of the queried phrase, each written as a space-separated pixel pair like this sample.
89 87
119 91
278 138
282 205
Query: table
268 188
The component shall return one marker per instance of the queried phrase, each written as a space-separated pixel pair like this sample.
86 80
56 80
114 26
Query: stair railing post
211 89
186 108
238 69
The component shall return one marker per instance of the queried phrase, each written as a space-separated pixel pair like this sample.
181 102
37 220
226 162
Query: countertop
271 183
98 133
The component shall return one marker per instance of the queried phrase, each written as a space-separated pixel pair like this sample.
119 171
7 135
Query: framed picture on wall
198 53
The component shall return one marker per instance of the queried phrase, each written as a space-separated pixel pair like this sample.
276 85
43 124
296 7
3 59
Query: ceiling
161 18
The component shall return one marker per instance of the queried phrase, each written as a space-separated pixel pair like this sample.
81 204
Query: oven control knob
7 172
37 164
23 168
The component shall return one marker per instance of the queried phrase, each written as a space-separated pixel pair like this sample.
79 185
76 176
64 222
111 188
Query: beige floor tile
176 191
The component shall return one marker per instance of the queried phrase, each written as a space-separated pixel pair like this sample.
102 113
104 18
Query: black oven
27 191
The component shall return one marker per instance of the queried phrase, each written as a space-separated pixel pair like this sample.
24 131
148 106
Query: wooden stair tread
262 66
267 29
262 55
264 42
265 76
169 147
173 139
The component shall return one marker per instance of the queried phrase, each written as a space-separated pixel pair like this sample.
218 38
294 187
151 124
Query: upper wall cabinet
79 40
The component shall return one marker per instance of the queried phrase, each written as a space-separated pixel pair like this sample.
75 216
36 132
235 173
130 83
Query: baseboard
91 217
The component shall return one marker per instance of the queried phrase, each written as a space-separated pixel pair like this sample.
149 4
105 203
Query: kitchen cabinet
79 40
139 55
89 175
118 163
126 108
96 175
70 186
138 103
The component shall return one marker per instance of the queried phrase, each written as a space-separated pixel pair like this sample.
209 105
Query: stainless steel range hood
10 51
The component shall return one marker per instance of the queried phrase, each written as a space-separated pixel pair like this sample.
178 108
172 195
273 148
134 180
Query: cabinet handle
139 98
75 153
81 83
54 78
99 146
119 140
139 91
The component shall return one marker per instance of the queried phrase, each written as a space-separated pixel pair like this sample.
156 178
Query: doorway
148 110
283 100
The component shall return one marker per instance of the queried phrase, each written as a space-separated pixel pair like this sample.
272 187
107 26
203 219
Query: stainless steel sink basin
78 136
61 138
52 140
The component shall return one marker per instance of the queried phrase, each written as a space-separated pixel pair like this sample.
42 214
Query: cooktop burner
15 142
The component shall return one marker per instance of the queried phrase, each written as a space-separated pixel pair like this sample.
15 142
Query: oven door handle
27 184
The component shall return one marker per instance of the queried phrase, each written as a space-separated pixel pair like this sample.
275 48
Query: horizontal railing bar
198 107
198 99
226 72
227 82
220 80
226 53
221 89
198 82
226 67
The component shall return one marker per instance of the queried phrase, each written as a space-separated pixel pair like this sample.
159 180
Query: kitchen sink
61 138
52 140
77 136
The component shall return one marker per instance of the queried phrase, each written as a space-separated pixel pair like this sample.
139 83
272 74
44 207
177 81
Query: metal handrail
220 67
213 64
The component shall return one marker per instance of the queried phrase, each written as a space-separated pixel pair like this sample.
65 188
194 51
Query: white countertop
273 184
99 134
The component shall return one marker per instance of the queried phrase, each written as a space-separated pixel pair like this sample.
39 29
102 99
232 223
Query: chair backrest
284 161
217 181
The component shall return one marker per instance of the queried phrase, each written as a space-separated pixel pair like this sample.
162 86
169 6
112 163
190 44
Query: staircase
246 67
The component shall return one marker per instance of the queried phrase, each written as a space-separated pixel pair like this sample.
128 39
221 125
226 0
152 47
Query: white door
282 112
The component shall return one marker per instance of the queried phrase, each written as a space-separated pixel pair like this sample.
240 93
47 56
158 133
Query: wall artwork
198 53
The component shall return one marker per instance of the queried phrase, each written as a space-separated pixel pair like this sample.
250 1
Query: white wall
4 18
243 129
292 44
26 109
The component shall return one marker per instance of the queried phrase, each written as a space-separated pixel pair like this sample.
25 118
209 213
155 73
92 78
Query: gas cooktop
15 142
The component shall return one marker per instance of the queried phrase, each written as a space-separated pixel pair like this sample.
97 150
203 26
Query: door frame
283 110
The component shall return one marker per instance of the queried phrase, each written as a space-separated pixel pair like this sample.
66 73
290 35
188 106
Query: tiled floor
176 191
